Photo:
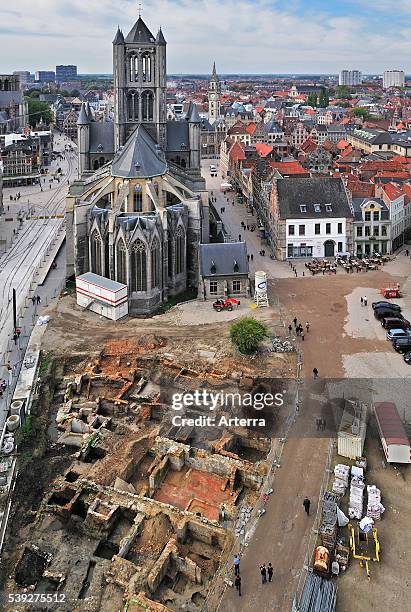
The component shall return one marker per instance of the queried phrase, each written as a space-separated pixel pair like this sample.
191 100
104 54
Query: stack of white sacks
357 487
341 473
374 505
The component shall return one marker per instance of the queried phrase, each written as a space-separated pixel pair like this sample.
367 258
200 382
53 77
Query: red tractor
220 305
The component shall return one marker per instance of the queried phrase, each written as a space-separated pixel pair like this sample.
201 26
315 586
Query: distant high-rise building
24 76
393 78
350 77
66 73
45 76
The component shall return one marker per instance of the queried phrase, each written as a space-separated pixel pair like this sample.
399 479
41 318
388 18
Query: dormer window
328 208
317 208
303 208
213 268
236 267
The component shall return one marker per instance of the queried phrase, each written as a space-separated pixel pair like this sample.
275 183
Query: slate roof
140 33
10 97
141 157
101 133
373 136
358 202
83 118
177 134
292 193
224 256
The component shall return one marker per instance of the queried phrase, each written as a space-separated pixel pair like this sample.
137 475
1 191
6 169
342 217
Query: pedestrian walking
307 504
365 301
270 572
252 257
318 424
239 237
307 326
38 299
295 322
248 258
315 373
290 329
237 583
323 424
33 299
362 301
236 565
15 336
263 572
302 334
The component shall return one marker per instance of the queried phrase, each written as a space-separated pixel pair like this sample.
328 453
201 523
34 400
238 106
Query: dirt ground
346 342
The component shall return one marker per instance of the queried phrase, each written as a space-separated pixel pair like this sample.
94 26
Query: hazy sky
266 36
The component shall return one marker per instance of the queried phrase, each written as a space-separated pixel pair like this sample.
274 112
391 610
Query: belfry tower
139 66
214 92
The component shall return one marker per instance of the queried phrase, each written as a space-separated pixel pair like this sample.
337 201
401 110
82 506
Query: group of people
265 571
299 330
364 301
36 299
15 198
321 423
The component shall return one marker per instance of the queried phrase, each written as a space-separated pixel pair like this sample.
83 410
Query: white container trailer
394 439
102 295
352 431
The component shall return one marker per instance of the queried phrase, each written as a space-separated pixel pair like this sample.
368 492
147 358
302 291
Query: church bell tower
139 67
214 92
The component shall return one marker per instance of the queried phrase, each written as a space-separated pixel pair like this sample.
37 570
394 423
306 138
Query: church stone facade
139 209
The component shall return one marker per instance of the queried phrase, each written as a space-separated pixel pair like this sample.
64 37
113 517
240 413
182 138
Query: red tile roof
236 152
392 191
342 144
251 127
289 168
263 149
309 146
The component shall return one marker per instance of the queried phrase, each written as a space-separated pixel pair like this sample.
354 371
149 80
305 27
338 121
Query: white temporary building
394 439
102 295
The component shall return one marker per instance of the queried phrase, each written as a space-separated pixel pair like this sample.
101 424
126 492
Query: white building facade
350 77
393 78
325 237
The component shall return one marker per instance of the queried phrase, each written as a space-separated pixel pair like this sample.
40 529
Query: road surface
27 249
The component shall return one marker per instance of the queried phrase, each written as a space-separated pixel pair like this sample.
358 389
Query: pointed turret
160 38
192 114
214 73
139 33
89 112
83 118
119 38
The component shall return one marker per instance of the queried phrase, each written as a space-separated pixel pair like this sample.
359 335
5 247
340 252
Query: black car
391 322
380 313
407 358
382 304
402 345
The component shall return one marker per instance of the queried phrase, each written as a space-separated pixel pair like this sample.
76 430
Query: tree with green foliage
39 110
247 334
324 99
344 92
361 112
312 100
75 93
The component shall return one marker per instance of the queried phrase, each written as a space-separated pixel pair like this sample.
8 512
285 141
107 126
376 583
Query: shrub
247 334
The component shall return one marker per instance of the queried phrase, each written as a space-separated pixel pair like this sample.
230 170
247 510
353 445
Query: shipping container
102 295
394 439
352 430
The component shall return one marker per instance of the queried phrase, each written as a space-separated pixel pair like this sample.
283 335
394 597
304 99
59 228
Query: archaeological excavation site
134 512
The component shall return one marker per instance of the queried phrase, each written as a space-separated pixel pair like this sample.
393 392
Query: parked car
402 345
395 333
382 303
380 313
394 322
407 358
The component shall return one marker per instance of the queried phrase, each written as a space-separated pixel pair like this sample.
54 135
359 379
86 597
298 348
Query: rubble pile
282 346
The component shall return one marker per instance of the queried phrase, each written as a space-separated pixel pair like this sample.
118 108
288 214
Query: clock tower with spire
214 92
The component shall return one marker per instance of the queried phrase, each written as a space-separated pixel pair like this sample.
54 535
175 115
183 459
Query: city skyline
331 38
